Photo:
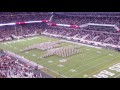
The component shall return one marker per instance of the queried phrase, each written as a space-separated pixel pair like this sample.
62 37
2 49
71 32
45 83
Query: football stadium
59 44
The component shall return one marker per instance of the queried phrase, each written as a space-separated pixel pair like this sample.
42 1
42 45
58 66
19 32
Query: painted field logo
63 60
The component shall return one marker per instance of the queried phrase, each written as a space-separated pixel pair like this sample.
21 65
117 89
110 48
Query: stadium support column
21 29
35 30
52 12
16 30
51 18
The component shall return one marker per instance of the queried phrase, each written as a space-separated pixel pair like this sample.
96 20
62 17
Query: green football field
89 63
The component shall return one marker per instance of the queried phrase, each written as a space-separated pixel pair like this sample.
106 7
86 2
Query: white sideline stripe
24 59
49 74
52 71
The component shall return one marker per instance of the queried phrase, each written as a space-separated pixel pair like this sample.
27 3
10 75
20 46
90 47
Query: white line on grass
89 68
50 61
87 63
84 64
33 54
96 66
26 52
98 51
102 68
73 70
43 61
88 49
110 54
58 63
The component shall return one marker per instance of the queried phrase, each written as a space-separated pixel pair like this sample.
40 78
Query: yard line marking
88 68
50 61
43 62
73 70
33 54
98 51
60 65
84 64
87 63
88 49
69 61
62 60
110 54
107 60
103 68
85 75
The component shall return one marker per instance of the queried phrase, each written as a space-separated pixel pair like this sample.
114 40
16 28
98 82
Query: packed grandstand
100 29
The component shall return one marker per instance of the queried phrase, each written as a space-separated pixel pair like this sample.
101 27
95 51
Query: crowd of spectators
62 31
83 19
91 35
12 68
21 30
8 17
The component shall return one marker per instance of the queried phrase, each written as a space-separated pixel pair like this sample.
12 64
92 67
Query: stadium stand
11 67
7 17
88 17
